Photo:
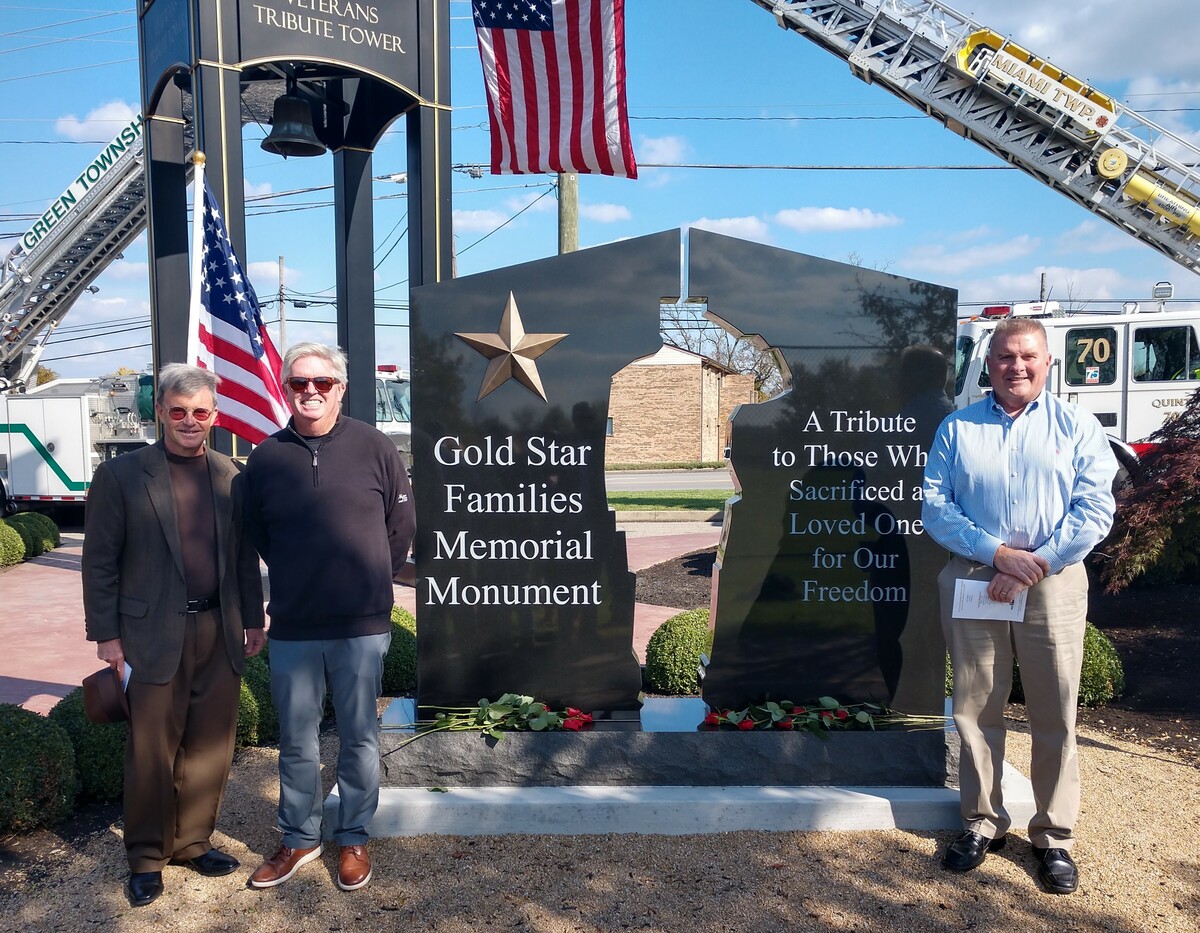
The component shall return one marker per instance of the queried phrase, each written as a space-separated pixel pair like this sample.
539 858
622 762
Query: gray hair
334 356
185 380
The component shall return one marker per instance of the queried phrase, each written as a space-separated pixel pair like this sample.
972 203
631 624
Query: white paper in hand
971 601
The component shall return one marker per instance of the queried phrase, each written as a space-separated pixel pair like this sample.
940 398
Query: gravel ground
1137 874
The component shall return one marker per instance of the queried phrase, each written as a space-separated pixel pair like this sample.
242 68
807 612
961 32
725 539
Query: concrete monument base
662 775
672 811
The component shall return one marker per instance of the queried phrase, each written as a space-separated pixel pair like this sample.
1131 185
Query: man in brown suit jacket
170 590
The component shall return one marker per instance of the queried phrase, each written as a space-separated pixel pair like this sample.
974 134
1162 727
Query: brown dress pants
1049 647
180 749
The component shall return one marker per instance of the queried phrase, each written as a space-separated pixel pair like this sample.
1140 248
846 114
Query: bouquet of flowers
512 712
819 717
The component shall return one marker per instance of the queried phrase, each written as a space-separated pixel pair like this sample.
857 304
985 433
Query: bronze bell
292 128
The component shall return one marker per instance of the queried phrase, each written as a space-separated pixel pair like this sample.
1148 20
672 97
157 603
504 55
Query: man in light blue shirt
1018 487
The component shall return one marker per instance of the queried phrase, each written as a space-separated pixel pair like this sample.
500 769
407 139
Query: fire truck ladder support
89 225
1102 155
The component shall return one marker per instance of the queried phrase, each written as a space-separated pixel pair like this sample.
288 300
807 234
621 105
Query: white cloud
810 219
264 276
127 270
938 259
604 213
252 190
101 123
1074 286
1092 236
746 228
477 221
660 149
1087 39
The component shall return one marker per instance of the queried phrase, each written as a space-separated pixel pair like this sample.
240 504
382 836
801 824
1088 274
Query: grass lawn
666 500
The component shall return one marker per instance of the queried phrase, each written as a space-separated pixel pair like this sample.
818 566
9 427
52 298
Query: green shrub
99 748
37 770
1101 681
673 653
400 663
42 526
12 547
31 542
1103 676
257 676
247 719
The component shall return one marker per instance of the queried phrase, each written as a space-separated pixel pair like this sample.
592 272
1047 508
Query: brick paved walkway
44 655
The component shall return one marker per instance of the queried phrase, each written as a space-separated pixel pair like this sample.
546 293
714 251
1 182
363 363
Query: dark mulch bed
1154 629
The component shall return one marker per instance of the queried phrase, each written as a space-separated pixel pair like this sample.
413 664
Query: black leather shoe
969 850
213 863
144 887
1056 870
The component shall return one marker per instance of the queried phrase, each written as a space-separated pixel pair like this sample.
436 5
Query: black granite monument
825 583
523 581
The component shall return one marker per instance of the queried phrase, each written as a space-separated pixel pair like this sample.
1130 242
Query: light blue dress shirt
1039 482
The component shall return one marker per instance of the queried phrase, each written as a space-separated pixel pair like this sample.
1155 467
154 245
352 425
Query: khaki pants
181 737
1049 648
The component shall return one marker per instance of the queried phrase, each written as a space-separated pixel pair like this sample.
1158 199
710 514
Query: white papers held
971 601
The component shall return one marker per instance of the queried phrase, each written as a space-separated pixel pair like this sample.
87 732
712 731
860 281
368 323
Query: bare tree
685 326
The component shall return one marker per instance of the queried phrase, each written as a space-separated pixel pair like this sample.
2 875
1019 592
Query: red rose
825 714
712 719
801 711
573 724
785 723
841 714
746 723
573 713
584 717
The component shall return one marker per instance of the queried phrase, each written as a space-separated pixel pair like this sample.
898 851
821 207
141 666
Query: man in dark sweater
330 510
171 591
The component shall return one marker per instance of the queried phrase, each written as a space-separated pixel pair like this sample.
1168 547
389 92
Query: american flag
555 77
230 339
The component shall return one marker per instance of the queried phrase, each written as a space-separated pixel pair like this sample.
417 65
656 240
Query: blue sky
711 82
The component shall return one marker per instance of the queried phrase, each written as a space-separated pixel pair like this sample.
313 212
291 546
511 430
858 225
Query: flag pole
193 331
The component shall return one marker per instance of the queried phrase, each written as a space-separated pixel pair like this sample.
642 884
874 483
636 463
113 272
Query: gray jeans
353 670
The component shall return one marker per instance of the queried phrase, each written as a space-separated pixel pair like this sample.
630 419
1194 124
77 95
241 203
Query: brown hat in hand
104 697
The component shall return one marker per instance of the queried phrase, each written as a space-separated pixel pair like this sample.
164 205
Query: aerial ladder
1051 125
86 227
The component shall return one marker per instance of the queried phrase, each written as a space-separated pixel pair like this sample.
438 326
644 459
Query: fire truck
393 405
53 437
1134 369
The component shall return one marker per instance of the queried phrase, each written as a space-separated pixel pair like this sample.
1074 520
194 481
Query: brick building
673 407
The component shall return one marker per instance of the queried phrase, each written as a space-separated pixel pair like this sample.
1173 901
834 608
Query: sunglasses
200 414
323 384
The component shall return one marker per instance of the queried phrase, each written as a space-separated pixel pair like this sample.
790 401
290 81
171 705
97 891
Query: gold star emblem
512 352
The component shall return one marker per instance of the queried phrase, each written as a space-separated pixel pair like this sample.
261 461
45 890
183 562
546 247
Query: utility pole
282 314
568 212
1042 292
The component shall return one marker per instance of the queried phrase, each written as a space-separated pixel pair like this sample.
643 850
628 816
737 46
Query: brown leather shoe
354 868
282 865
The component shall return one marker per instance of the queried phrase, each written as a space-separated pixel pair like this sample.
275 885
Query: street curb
676 515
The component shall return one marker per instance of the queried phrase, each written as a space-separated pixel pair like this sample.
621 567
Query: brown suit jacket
133 582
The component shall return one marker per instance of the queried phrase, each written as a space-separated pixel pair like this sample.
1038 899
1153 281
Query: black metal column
430 241
167 223
354 236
